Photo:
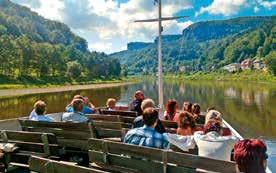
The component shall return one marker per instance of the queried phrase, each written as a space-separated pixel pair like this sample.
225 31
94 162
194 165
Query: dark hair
189 109
40 107
186 120
250 154
77 105
150 115
196 108
212 126
170 107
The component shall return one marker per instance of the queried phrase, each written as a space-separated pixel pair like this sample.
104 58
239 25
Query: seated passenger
250 156
187 106
196 114
135 105
213 115
210 142
147 135
38 114
111 104
138 121
86 108
77 115
171 110
186 124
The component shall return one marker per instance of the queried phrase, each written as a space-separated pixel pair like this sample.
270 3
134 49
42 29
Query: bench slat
127 155
122 113
40 165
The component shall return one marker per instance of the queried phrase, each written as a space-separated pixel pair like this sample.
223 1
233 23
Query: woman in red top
171 110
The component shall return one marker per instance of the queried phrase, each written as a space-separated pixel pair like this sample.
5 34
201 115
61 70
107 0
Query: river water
249 107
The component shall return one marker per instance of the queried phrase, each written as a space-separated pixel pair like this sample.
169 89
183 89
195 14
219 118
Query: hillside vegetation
39 50
207 46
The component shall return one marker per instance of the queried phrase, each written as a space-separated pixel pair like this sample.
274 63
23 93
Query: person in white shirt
210 142
38 113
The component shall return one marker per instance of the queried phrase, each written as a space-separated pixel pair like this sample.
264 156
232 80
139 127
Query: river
249 107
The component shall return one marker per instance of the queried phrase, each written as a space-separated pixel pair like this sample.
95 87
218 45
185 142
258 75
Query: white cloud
256 9
100 46
267 4
224 7
109 27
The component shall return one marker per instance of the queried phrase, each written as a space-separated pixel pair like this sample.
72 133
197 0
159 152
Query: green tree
74 69
271 62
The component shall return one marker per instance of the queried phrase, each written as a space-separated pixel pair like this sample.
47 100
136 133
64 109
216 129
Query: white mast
160 71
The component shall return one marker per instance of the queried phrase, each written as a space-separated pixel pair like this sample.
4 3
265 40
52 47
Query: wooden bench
42 165
122 113
108 155
74 135
126 121
29 143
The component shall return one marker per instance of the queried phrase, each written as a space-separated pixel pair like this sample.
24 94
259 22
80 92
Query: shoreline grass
248 75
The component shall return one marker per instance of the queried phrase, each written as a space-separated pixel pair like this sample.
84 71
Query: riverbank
42 84
52 89
254 76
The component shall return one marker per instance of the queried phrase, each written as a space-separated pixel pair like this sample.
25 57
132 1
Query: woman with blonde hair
111 104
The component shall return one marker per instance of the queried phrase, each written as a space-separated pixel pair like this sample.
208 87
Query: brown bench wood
42 165
146 159
122 113
29 143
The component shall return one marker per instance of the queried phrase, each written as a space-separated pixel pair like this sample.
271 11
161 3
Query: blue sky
108 25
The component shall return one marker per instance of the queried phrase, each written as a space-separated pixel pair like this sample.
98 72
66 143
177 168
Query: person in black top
135 105
138 121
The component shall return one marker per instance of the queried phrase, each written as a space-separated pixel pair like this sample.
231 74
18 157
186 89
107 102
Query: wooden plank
42 165
127 149
127 119
195 161
122 113
109 133
73 143
99 117
62 133
60 125
29 136
107 125
140 165
187 160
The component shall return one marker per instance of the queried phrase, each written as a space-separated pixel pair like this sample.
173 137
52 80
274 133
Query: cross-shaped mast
160 29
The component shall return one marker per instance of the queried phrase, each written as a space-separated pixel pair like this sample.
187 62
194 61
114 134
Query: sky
108 25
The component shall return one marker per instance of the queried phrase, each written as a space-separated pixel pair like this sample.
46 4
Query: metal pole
160 72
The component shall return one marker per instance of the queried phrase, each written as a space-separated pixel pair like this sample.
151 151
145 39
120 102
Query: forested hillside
207 46
34 48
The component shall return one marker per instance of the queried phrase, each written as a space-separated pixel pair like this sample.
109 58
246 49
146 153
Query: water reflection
56 102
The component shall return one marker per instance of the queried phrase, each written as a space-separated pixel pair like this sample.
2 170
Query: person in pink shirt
171 110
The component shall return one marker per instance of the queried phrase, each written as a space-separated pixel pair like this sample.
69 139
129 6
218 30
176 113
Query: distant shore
53 89
254 76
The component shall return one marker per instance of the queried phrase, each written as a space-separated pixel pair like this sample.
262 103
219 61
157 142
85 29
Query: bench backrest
126 122
30 143
122 113
74 135
68 134
41 165
146 159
